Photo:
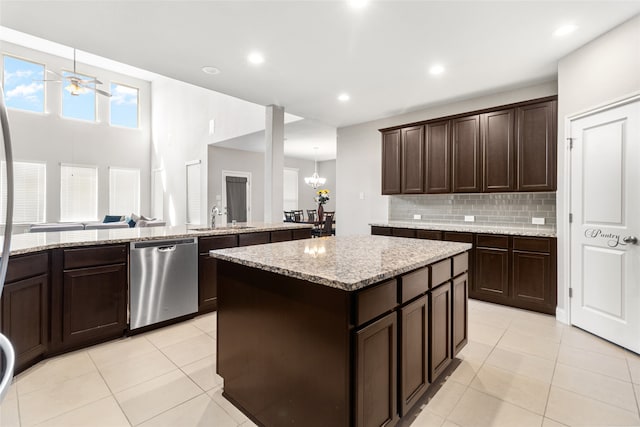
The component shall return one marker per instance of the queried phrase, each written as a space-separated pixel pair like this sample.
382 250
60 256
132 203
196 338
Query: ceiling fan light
76 90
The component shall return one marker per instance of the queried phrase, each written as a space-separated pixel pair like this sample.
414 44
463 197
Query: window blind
290 189
78 193
193 193
124 191
29 192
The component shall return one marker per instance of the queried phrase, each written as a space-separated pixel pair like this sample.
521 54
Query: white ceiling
315 50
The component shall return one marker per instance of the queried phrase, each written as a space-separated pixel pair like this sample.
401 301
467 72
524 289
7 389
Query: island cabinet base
292 352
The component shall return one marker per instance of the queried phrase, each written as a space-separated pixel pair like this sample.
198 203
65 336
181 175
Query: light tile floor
518 369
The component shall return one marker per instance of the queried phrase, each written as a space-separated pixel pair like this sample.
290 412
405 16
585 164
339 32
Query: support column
273 163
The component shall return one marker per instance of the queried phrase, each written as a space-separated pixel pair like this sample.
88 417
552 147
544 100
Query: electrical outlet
469 218
537 221
417 216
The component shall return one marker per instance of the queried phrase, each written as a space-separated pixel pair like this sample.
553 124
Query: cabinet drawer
206 244
532 244
429 234
454 236
249 239
380 231
492 241
374 301
403 232
414 284
440 272
97 255
460 263
301 234
280 236
22 267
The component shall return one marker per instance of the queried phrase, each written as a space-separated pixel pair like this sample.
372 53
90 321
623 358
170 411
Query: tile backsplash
495 209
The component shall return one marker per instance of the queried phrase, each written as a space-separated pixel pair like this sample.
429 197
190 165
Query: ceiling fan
77 85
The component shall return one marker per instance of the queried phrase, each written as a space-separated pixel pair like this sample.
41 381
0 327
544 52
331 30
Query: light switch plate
469 218
417 216
537 221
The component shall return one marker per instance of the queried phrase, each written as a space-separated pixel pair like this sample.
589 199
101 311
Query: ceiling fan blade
102 92
49 80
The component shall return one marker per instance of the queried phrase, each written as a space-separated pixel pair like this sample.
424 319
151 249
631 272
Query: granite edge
467 229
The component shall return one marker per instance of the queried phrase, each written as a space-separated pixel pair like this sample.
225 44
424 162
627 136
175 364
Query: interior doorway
236 196
605 224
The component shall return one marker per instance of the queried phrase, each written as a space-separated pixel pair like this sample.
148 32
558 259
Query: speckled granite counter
34 242
344 262
468 228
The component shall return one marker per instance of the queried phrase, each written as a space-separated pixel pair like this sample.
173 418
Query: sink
228 227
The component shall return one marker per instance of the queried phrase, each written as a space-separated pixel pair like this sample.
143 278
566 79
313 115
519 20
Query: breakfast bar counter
338 331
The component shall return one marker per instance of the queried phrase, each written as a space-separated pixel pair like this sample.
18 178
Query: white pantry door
605 203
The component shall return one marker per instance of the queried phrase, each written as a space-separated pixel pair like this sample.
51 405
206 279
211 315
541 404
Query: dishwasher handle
166 248
173 243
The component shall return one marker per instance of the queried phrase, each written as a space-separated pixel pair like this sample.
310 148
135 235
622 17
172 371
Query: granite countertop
33 242
488 229
344 262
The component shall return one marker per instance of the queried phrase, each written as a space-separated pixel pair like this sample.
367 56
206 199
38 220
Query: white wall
327 169
52 139
606 69
358 164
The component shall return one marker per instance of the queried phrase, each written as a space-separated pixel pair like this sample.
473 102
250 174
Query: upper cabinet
391 162
536 146
412 160
502 149
466 154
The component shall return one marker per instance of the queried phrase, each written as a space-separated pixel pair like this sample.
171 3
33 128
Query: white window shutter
124 191
78 193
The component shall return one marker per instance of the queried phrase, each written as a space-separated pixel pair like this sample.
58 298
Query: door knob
631 239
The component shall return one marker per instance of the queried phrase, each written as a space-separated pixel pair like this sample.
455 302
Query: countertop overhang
34 242
468 228
345 262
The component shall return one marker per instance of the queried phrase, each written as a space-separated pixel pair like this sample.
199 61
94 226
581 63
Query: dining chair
298 215
288 216
312 215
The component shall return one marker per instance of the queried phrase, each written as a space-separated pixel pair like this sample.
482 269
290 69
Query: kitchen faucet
214 211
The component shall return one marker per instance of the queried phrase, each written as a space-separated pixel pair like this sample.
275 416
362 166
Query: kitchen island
338 331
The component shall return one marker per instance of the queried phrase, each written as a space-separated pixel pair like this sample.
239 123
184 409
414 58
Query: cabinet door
466 154
438 157
414 353
536 146
259 238
391 162
497 150
459 312
207 284
492 274
533 282
381 231
25 318
94 304
412 160
439 330
376 370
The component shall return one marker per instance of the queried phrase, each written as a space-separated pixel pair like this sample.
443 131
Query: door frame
564 245
241 174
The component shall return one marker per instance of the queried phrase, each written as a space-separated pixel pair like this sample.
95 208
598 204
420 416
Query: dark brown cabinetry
438 157
460 287
381 231
391 162
536 146
412 170
492 267
466 154
429 234
497 150
534 273
89 300
25 308
376 368
414 352
207 270
259 238
440 329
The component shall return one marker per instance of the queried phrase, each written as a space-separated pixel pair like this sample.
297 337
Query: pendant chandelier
314 181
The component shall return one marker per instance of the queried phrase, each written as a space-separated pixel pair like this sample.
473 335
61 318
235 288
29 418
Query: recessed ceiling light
210 70
564 30
358 4
255 58
344 97
436 69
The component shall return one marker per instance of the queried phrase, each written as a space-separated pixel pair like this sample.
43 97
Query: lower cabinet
492 273
439 330
208 270
376 368
414 352
459 313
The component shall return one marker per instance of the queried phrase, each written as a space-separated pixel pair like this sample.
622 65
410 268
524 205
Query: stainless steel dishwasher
163 281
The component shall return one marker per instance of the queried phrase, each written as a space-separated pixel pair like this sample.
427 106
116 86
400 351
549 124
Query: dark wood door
459 313
412 160
438 157
533 284
208 271
381 231
455 236
376 370
439 330
94 304
391 162
25 318
536 147
258 238
466 154
414 353
492 273
498 152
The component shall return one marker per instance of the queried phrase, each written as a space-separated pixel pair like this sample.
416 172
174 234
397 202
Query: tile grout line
633 388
